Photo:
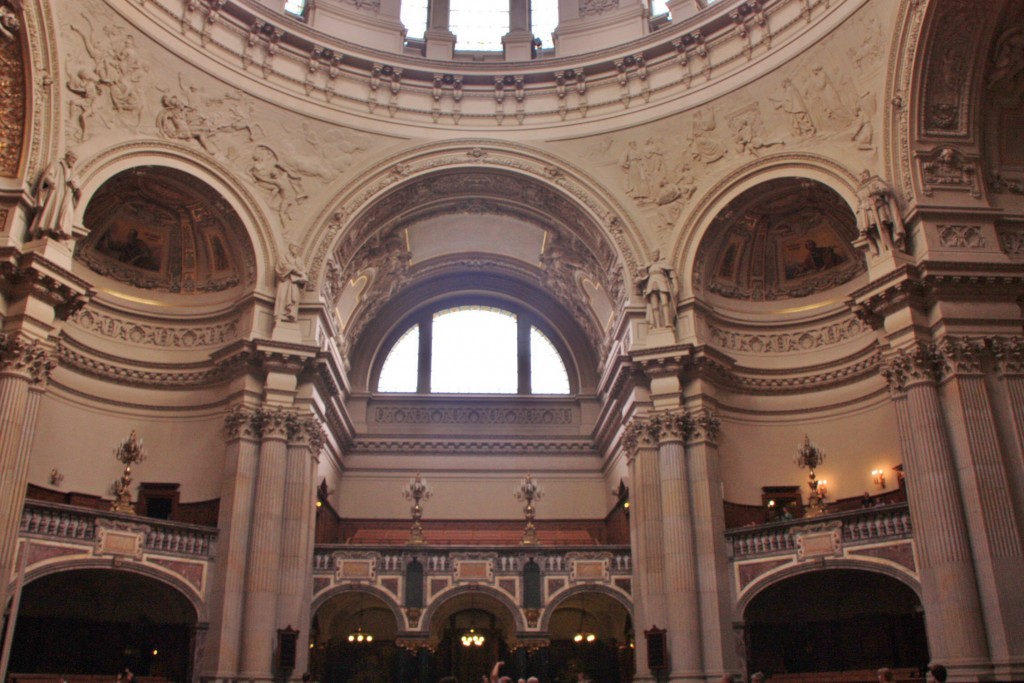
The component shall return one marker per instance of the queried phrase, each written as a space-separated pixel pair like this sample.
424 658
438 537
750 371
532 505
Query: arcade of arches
753 396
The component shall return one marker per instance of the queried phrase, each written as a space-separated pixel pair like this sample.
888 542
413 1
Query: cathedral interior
611 340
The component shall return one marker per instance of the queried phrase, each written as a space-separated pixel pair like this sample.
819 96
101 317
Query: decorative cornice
163 336
31 275
472 415
29 359
474 447
787 342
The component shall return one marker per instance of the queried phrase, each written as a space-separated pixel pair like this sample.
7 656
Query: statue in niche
57 194
291 279
657 282
879 222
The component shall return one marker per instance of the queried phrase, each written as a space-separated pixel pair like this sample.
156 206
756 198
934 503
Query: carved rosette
923 363
963 356
27 359
1009 355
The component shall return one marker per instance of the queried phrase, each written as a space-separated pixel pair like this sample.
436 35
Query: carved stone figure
702 146
291 279
8 23
862 131
283 184
118 70
632 163
57 195
86 85
747 134
792 103
657 282
878 216
1009 58
829 104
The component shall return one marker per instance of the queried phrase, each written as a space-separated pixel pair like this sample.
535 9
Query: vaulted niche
161 229
786 238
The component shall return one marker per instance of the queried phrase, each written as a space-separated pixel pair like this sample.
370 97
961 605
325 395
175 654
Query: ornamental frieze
145 334
788 342
416 415
12 93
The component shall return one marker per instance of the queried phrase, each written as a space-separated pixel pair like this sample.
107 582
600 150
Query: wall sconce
878 476
822 488
56 477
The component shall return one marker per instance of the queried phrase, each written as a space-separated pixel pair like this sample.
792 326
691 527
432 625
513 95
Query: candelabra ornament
129 452
417 490
528 490
810 456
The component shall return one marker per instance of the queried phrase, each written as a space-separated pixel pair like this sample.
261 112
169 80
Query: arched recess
96 171
508 615
716 201
353 634
459 195
575 591
90 620
350 590
839 618
591 632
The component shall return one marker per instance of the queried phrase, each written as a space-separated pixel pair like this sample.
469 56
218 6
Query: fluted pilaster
705 485
684 640
244 429
994 533
641 442
24 363
956 634
263 572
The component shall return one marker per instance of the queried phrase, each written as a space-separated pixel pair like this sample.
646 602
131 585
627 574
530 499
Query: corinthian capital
242 421
1009 355
962 354
705 427
641 432
29 359
674 425
306 430
905 367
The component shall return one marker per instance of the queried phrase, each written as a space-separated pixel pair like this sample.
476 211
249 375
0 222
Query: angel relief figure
283 184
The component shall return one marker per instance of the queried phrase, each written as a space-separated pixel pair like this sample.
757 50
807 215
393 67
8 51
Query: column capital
29 358
962 355
706 426
1008 354
640 432
244 421
906 367
307 431
674 425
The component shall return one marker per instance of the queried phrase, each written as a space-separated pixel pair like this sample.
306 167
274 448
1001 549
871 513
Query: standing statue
657 282
878 216
57 195
291 278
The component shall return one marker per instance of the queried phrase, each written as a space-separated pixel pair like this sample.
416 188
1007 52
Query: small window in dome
547 371
414 18
544 21
399 373
296 8
478 24
474 351
659 7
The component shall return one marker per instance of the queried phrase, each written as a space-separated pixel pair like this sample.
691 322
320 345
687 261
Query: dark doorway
98 621
835 620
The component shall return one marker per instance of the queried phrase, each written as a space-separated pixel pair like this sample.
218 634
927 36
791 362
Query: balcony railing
507 559
858 526
76 524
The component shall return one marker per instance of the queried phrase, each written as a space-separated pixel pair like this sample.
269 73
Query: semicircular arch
616 596
386 598
440 606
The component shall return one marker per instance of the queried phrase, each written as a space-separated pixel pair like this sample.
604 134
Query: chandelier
582 634
360 637
472 638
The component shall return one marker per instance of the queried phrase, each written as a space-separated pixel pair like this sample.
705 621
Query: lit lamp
472 639
810 456
583 635
878 476
129 452
358 637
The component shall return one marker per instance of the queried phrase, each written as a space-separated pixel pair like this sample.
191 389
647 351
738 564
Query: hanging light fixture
360 637
472 637
583 635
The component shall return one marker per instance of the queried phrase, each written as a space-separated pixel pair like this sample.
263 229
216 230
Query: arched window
297 8
473 350
478 24
544 21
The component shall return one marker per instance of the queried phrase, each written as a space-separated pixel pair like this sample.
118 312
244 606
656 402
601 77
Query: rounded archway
473 629
352 638
98 621
835 620
591 634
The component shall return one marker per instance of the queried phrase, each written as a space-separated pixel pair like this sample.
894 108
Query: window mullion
523 353
426 345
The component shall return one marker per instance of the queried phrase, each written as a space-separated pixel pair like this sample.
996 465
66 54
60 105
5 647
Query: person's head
532 679
726 678
884 674
521 680
938 672
757 677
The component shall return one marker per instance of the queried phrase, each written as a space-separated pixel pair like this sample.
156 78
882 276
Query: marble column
640 440
24 364
677 547
956 631
710 550
244 430
993 531
259 630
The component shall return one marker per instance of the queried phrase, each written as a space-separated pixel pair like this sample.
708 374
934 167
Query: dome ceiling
785 238
161 229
